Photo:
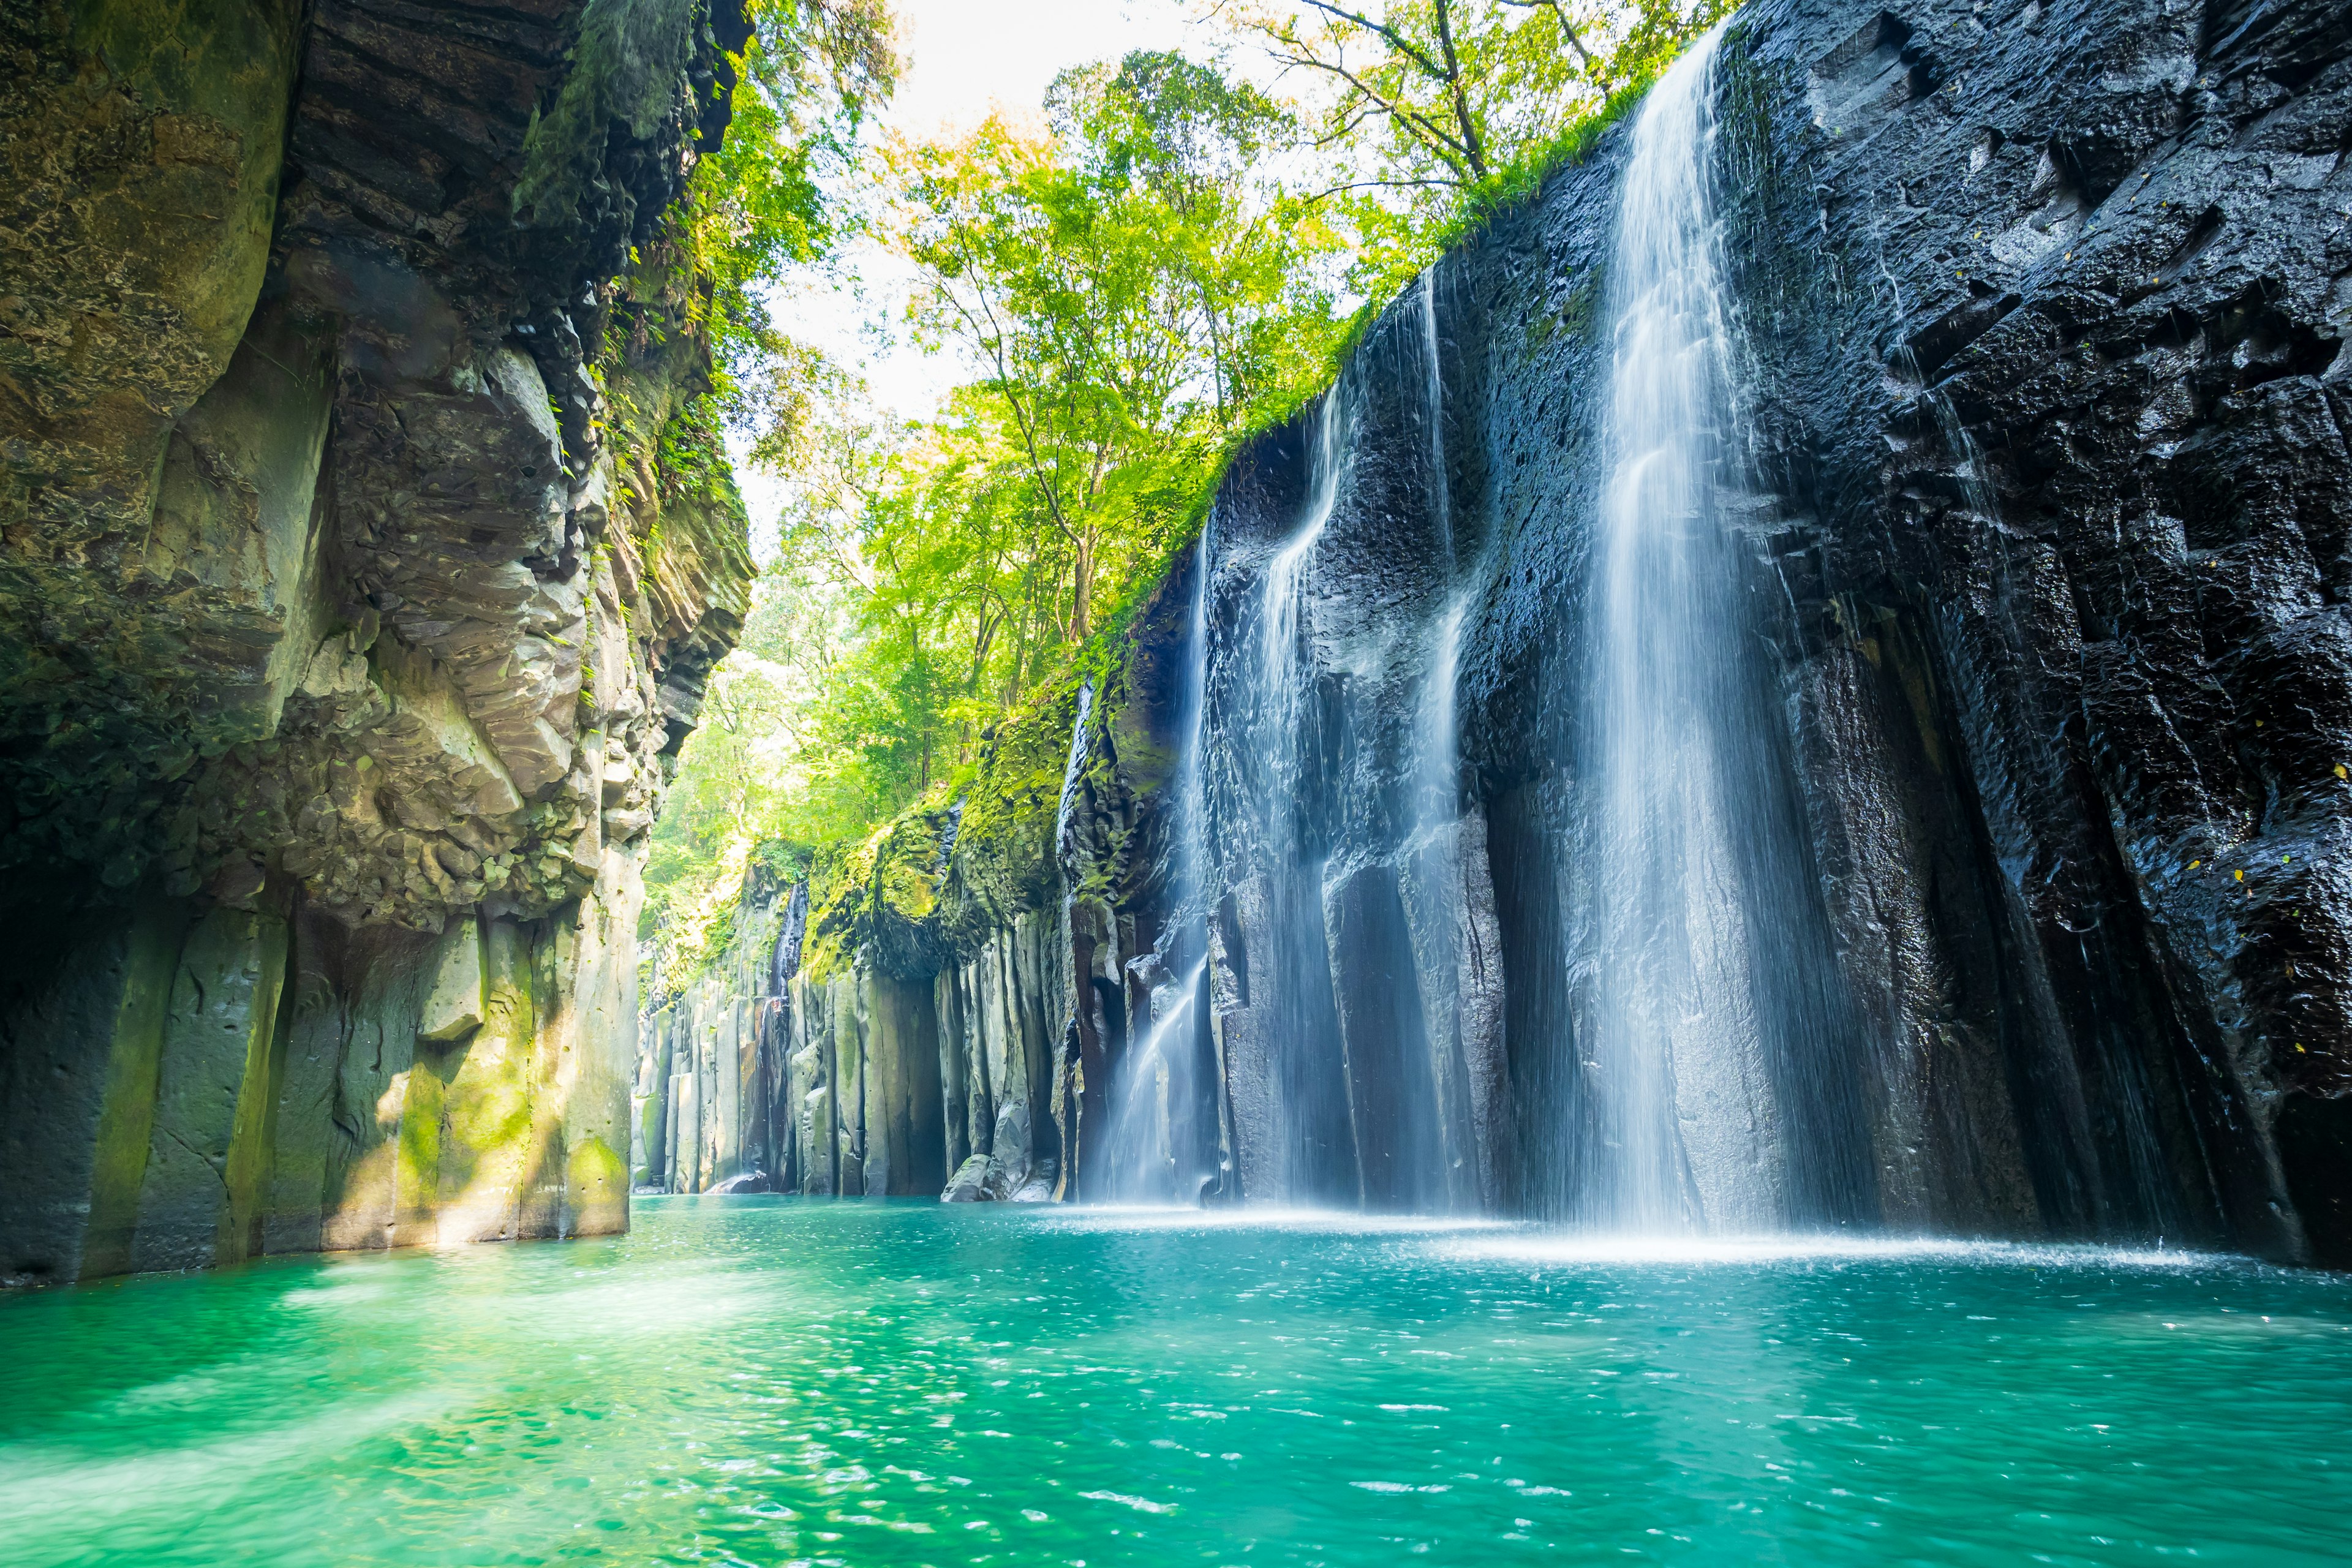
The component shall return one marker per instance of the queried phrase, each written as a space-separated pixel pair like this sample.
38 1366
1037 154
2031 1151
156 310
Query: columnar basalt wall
941 1008
2039 315
347 615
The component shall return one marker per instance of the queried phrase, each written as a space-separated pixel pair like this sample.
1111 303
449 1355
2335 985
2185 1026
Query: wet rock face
342 590
2056 339
2042 309
2038 313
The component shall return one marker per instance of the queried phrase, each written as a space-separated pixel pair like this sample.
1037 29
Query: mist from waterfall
1704 1010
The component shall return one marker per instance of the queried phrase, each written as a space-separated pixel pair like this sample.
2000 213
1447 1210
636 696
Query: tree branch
1462 116
1397 40
1431 134
1566 30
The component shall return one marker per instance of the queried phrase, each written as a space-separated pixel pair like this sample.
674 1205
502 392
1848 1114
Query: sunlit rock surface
347 615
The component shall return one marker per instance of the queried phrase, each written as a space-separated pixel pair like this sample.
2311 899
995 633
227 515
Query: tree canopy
1168 256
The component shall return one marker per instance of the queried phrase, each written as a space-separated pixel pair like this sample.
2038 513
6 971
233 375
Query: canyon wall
936 1009
357 580
2037 313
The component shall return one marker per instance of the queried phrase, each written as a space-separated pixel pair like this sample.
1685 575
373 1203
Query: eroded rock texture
2042 309
2053 307
347 613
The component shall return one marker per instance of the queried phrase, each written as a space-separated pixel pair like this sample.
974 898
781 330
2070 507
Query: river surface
769 1381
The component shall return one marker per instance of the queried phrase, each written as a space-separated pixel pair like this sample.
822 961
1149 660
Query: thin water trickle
1281 615
1441 497
1070 769
1157 1092
1436 742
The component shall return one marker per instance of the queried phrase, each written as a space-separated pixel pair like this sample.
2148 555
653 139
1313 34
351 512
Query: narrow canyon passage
1260 783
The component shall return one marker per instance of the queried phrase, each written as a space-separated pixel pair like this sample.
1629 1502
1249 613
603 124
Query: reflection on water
779 1381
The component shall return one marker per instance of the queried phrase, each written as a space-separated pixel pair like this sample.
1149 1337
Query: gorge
1936 833
1703 915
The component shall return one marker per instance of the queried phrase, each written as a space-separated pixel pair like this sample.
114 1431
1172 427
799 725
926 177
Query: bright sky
967 55
970 53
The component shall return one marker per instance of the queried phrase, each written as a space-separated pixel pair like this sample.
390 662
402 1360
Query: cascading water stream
1701 1008
1077 760
1271 843
1284 663
1148 1158
1436 745
1441 500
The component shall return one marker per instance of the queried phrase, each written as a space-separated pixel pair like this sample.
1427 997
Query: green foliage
757 206
1161 271
1437 114
1135 291
625 63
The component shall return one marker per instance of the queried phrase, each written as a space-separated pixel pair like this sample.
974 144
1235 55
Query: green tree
1133 290
1432 112
766 200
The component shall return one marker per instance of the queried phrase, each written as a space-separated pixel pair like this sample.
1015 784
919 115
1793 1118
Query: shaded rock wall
2042 311
348 614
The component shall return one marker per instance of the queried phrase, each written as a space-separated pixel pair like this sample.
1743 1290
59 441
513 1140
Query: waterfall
1436 749
1070 769
1704 1005
1441 497
1269 826
1154 1150
1284 661
1430 885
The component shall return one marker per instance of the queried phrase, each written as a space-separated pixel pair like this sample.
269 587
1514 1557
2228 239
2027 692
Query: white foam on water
1337 1222
1606 1249
53 1483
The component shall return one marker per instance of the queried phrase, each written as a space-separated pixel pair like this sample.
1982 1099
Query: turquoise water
776 1381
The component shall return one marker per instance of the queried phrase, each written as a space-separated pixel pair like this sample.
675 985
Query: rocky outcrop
352 599
2042 309
2057 334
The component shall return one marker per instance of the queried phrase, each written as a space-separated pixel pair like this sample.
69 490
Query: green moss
595 1189
626 63
246 1171
905 887
148 963
416 1180
836 886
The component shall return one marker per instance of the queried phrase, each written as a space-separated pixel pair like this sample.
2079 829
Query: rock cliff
940 1004
2040 309
363 549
